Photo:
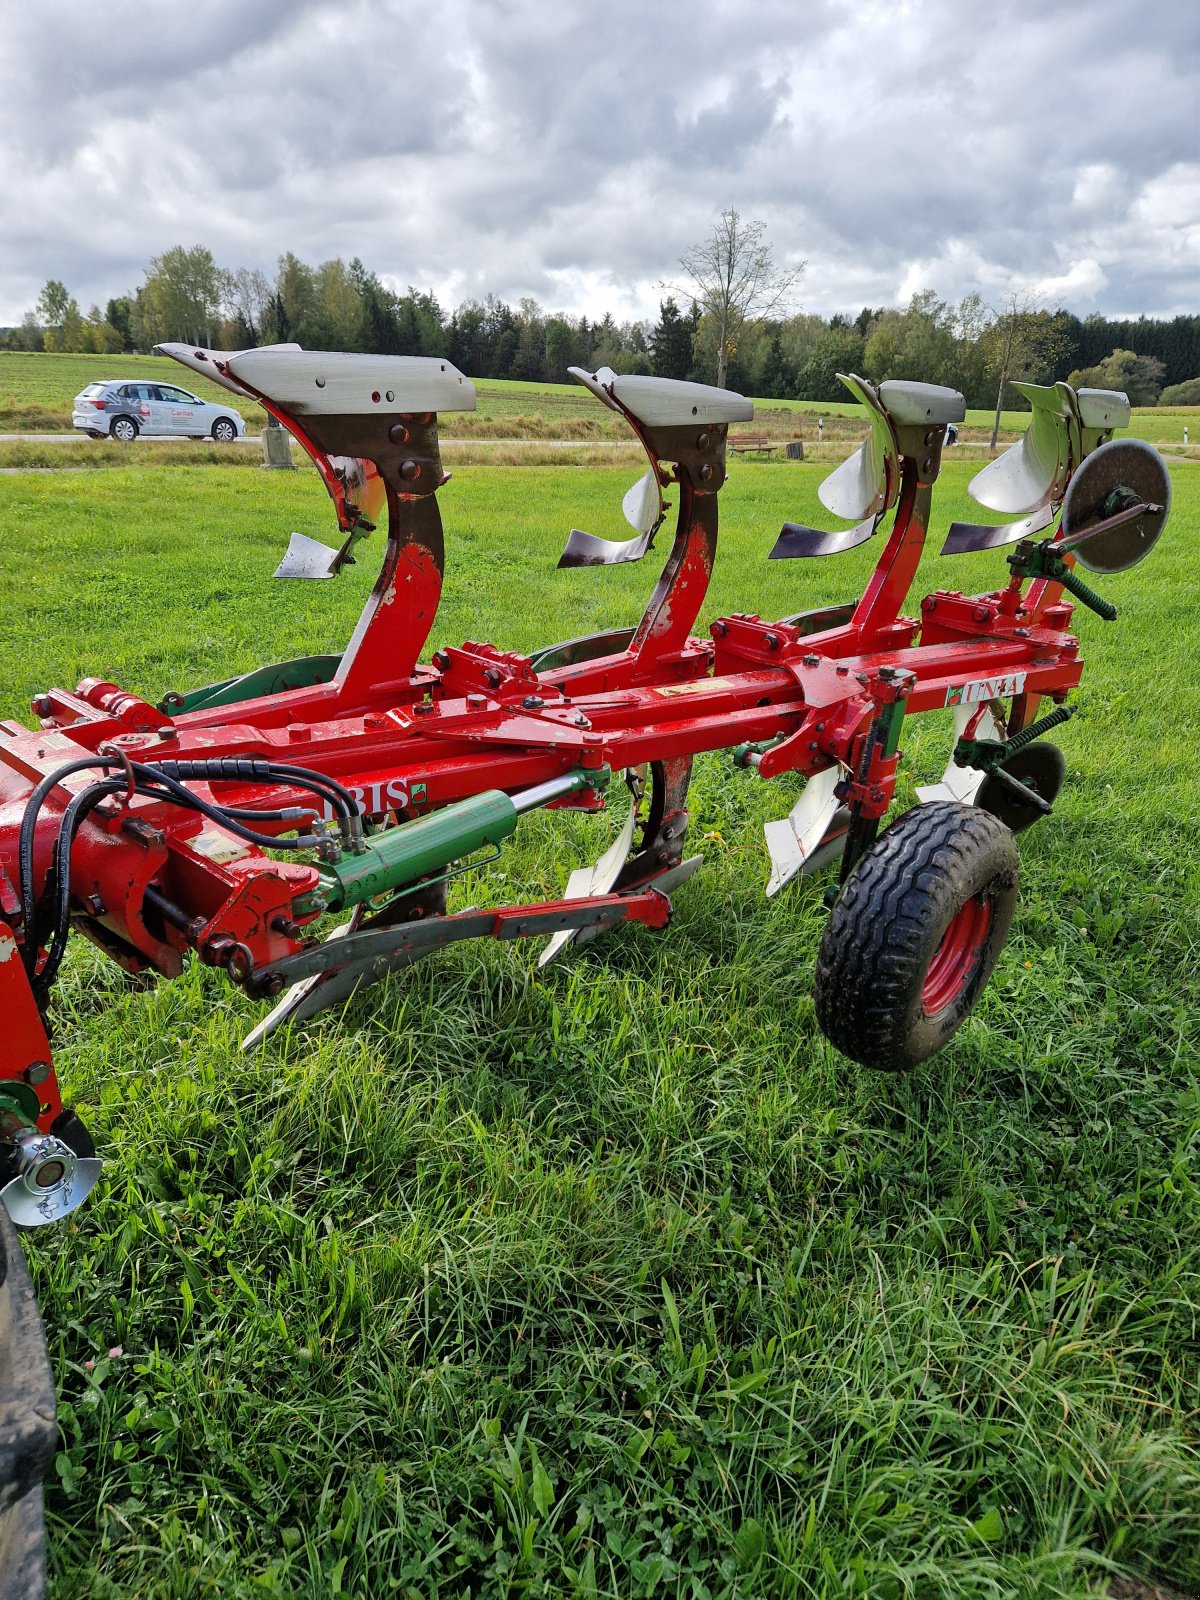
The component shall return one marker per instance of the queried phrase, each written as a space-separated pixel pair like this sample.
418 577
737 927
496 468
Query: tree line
701 332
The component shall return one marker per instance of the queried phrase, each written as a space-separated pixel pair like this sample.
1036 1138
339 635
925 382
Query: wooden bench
751 444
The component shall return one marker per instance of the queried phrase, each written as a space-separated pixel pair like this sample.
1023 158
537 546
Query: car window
180 397
95 388
129 391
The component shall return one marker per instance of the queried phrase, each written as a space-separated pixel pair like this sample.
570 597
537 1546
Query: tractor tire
914 935
27 1429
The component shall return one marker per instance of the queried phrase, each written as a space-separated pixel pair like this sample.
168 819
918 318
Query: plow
298 826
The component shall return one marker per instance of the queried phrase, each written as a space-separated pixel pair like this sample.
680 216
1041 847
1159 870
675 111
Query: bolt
705 472
423 708
842 671
929 603
398 433
702 441
375 719
441 660
862 677
981 614
1021 633
719 630
820 727
476 700
285 926
41 706
581 721
95 905
493 677
409 470
36 1072
533 702
812 661
771 640
167 732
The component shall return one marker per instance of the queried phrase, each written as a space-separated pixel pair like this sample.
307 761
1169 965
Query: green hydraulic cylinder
426 847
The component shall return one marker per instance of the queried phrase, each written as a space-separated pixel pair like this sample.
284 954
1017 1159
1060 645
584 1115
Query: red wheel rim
957 957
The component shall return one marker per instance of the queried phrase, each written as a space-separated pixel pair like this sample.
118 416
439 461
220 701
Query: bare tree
1025 335
735 281
246 296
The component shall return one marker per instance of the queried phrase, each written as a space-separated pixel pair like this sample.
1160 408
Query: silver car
121 410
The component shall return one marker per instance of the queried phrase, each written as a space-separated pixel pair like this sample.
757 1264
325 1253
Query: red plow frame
223 823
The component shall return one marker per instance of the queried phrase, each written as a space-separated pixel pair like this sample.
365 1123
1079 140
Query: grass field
618 1281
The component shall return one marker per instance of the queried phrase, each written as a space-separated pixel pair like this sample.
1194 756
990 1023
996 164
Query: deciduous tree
1024 336
735 281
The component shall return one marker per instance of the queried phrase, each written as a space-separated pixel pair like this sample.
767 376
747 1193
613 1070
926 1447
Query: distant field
36 393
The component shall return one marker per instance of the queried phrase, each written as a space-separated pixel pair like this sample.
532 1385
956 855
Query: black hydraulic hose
25 846
243 769
156 784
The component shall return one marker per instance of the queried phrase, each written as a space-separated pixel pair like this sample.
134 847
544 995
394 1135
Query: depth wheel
915 934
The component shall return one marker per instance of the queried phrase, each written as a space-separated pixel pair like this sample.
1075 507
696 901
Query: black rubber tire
129 430
27 1429
224 431
889 923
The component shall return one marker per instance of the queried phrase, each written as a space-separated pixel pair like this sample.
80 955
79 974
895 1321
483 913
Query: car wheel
223 431
125 429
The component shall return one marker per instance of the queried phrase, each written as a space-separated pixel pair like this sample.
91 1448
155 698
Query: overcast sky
570 150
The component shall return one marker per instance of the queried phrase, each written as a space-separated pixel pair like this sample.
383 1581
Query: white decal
390 794
969 694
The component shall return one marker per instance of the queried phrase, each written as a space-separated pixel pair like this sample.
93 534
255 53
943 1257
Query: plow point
794 838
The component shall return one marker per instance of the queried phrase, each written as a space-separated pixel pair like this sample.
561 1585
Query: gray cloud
572 152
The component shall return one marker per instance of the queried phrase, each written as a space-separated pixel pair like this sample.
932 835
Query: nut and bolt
771 640
398 433
36 1072
719 630
95 905
702 441
441 660
533 702
493 677
410 470
812 661
705 472
41 705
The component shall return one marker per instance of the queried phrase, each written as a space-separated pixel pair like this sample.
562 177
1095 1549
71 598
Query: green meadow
616 1280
